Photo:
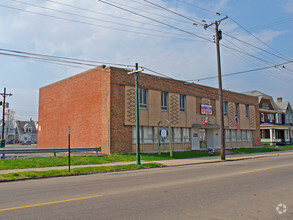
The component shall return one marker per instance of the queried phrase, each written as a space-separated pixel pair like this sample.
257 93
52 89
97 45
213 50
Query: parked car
27 142
10 142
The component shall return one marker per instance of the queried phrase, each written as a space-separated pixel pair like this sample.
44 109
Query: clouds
103 33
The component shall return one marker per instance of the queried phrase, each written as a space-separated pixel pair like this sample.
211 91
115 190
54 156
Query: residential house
99 106
26 131
275 119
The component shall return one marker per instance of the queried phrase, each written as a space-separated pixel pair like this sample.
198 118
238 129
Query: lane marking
49 203
252 171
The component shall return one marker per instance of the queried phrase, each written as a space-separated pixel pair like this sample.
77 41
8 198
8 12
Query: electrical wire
176 28
97 25
96 19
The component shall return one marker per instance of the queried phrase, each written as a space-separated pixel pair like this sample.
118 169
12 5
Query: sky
169 39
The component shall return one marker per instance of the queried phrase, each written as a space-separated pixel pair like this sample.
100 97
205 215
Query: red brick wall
82 102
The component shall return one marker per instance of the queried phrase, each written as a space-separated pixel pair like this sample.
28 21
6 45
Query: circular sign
164 133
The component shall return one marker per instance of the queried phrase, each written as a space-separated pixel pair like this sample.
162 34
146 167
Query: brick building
99 105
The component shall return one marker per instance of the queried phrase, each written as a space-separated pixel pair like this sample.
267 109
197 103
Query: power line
97 25
284 57
109 2
96 19
213 12
241 72
66 59
102 13
179 29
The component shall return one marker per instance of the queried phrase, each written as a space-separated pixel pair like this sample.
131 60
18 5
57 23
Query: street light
136 71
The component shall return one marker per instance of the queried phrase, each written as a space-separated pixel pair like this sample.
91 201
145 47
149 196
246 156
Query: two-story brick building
99 105
276 119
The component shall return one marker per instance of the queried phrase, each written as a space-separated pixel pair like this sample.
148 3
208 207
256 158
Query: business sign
206 109
164 133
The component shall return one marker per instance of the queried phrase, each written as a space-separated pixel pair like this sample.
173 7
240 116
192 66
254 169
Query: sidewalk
175 162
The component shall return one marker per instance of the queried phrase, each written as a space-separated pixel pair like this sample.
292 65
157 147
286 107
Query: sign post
164 133
69 132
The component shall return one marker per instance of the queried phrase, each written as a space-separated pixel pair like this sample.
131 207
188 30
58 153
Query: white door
195 141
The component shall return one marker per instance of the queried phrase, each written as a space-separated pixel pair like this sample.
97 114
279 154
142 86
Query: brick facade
98 105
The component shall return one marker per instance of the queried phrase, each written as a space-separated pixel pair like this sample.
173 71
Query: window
143 98
238 135
244 135
228 135
247 111
225 108
233 135
262 117
182 103
177 135
134 134
271 117
236 109
147 135
249 135
186 136
164 101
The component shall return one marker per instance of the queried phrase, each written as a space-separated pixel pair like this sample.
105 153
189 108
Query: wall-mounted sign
206 109
164 133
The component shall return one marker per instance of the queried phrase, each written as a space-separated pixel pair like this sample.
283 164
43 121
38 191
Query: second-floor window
143 98
225 108
236 109
271 117
164 101
182 103
262 117
247 111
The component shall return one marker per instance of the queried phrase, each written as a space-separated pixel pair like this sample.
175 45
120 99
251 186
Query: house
9 132
99 106
25 131
275 119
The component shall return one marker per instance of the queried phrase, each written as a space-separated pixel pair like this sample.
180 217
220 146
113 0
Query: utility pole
136 71
4 104
222 129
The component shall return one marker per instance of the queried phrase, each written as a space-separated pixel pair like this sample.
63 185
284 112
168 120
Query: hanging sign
206 109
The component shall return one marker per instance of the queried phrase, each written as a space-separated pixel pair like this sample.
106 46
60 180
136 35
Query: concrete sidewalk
175 162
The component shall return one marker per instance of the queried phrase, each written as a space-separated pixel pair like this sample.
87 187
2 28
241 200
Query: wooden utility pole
222 129
4 105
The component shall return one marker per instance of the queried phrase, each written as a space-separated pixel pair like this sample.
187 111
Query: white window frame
143 96
182 103
247 111
164 101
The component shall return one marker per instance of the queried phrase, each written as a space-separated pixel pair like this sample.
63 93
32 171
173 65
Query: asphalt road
246 189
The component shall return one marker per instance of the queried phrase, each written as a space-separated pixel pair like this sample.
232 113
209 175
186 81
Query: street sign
164 133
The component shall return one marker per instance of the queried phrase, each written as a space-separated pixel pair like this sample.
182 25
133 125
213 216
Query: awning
208 126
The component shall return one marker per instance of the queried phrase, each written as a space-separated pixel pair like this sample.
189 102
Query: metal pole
69 131
222 130
137 117
3 118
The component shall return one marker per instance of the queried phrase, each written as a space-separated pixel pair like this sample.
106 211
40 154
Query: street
245 189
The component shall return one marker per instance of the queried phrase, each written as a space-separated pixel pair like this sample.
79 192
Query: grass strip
94 159
253 150
74 171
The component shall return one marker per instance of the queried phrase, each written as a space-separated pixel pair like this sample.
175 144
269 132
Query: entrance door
195 141
203 138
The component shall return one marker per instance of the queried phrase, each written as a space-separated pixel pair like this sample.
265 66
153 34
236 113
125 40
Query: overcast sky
257 34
